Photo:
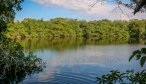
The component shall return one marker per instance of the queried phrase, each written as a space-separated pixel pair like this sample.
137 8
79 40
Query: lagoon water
78 61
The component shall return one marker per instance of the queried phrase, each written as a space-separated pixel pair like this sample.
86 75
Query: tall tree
7 12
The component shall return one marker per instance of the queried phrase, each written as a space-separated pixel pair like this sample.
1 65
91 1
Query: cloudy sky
77 9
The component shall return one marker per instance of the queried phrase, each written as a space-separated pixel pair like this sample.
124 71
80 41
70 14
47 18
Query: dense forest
64 27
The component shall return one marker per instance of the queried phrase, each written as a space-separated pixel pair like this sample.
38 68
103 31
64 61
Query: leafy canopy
7 11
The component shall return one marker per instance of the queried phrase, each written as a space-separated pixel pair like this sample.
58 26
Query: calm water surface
76 61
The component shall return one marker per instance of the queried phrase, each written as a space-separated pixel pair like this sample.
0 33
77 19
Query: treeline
63 27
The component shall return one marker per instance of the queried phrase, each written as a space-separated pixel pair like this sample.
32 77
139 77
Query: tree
136 5
139 5
7 12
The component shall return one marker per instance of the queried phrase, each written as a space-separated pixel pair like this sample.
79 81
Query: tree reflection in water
14 64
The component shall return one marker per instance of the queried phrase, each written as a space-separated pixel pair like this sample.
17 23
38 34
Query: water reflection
14 64
60 44
80 61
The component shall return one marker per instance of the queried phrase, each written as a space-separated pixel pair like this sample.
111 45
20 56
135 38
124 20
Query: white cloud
104 11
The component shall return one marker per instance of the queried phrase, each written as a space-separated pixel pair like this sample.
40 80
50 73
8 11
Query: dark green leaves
137 52
143 50
113 77
140 55
128 77
14 64
142 61
7 12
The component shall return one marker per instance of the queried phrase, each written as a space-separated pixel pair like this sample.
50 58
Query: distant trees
137 29
63 27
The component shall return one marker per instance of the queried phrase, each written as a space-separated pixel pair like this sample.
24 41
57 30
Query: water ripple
72 78
68 78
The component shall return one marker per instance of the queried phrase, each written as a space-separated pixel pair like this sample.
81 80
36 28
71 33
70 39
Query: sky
76 9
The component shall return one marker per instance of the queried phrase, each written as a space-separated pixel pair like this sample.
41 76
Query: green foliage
128 77
63 27
140 55
7 12
137 29
14 64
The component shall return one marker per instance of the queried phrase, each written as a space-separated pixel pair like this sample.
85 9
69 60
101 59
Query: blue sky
34 10
77 9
